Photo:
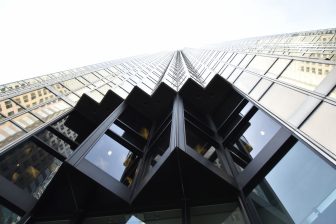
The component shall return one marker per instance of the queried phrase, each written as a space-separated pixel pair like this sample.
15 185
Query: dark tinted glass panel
160 146
153 217
128 135
29 167
7 216
113 158
136 121
258 132
301 188
56 143
62 128
201 145
217 214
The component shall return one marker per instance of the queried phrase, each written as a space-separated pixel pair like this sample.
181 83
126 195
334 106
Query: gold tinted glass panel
307 75
8 133
27 121
60 89
9 108
51 110
34 98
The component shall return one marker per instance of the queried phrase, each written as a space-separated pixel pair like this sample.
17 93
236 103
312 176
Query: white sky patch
38 37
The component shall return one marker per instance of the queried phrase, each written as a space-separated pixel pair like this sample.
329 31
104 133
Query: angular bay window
114 159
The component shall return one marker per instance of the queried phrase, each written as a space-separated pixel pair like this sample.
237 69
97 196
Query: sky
38 37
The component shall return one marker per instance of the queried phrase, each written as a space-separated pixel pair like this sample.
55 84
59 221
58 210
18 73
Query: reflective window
234 75
246 60
286 103
60 89
127 134
136 121
90 77
260 64
159 147
153 217
217 214
260 89
81 91
228 70
82 80
201 145
237 59
258 132
95 95
8 133
27 121
34 98
307 75
7 216
73 84
73 98
62 128
29 167
246 82
277 68
113 158
51 110
301 188
104 89
321 126
54 142
333 94
9 108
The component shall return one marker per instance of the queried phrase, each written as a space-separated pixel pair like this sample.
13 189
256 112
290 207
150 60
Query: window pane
136 121
246 60
321 126
8 133
333 94
51 110
282 101
246 82
27 121
301 188
259 131
29 167
60 126
128 135
73 98
228 70
234 75
237 59
260 89
90 77
81 91
277 68
73 84
260 64
34 98
95 95
9 108
201 145
307 75
56 143
60 89
7 216
217 214
159 147
113 158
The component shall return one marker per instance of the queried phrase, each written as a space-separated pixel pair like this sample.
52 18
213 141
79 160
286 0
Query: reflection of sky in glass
305 185
109 156
116 129
134 220
261 130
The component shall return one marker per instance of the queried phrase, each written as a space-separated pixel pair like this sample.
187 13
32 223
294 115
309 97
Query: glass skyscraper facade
239 132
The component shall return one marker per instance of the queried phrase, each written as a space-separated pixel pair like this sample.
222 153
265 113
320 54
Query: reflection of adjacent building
238 133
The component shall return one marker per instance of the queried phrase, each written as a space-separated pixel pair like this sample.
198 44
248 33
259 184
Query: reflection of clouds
102 163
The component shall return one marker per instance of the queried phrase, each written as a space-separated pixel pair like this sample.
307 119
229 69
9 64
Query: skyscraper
240 132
